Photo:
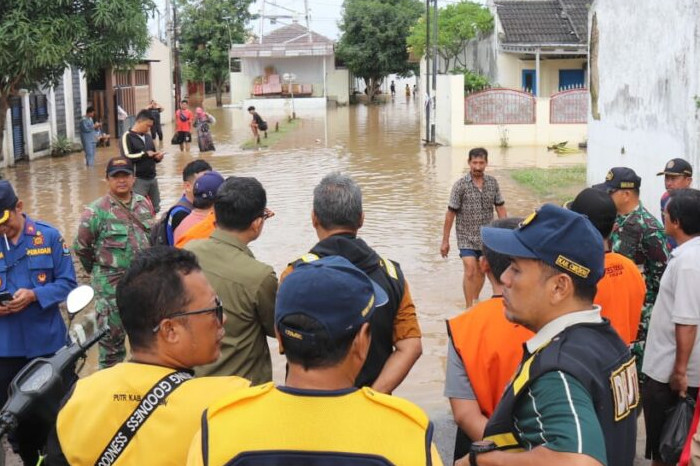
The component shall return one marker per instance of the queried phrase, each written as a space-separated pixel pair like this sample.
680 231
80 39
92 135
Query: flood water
405 191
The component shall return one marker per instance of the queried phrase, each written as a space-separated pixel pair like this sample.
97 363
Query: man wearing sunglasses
146 410
247 287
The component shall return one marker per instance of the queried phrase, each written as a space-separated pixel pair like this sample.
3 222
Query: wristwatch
478 448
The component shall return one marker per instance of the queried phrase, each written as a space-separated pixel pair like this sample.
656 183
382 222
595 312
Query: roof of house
293 34
544 22
293 40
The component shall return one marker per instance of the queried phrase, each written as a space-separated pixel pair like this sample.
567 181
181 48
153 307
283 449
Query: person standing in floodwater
392 88
258 124
472 202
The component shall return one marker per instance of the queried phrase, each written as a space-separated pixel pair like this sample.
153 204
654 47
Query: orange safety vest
201 230
490 348
621 295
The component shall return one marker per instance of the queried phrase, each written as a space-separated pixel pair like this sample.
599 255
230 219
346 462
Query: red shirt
180 125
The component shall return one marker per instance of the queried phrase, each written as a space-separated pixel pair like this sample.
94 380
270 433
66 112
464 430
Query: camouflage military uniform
640 237
108 239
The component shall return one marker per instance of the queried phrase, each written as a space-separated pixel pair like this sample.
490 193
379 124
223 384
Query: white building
645 89
296 52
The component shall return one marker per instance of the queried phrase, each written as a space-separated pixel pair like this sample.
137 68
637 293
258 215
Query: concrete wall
645 72
451 130
338 85
240 87
161 79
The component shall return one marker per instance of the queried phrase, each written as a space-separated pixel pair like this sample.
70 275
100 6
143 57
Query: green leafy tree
458 23
40 38
373 41
208 27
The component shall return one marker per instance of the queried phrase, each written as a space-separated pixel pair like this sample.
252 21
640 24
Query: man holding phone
36 274
138 146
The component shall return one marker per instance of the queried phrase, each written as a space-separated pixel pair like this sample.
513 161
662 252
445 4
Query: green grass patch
273 137
553 184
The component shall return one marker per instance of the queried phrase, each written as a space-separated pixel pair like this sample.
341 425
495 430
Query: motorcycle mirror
79 298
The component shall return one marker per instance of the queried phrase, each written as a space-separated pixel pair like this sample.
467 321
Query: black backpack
159 231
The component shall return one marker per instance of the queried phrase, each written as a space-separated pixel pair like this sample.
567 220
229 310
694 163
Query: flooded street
405 188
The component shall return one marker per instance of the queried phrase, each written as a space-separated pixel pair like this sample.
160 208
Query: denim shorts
470 253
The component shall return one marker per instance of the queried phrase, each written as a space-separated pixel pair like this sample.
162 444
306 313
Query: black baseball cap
119 165
558 237
677 167
620 178
8 200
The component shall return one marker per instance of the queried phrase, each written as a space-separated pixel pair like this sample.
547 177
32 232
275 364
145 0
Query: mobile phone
5 297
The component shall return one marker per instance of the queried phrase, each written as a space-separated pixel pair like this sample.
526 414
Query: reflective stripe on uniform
390 268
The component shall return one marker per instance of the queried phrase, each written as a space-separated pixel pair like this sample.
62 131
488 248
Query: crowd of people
592 320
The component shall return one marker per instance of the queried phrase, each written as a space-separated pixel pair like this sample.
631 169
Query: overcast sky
324 14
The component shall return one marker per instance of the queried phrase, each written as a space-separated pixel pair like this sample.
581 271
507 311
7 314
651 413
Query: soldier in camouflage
638 235
113 229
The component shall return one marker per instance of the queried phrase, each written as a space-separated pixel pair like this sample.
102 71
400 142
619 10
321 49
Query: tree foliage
373 40
473 81
40 38
208 27
458 23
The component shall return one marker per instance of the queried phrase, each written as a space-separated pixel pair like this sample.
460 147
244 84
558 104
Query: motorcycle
37 390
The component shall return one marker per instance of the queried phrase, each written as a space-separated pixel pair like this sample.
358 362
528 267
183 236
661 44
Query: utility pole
176 58
428 101
435 56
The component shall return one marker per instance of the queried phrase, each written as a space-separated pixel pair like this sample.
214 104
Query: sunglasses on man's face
218 311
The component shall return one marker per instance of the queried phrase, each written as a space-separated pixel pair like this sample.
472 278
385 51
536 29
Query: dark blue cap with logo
558 237
620 178
119 165
8 200
331 291
205 186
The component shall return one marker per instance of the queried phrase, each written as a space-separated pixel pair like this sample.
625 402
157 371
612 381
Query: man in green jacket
246 286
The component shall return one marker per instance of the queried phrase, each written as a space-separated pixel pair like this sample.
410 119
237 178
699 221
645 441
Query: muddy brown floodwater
405 191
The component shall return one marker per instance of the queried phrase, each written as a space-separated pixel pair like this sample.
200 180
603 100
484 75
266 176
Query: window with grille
141 77
39 109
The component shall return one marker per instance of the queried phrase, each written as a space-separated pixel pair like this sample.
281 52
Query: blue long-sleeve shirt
40 261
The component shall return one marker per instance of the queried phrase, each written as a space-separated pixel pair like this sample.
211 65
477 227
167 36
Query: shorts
657 398
184 136
476 253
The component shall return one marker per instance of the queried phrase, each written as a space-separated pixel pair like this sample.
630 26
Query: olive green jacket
247 289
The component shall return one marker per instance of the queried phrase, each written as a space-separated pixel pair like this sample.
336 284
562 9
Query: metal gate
17 127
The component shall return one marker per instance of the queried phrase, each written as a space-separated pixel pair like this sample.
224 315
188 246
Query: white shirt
678 302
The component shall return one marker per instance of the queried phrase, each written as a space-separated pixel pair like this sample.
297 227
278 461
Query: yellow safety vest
101 402
273 423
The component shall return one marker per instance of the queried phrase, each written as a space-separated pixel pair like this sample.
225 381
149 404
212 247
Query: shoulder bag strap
131 215
149 402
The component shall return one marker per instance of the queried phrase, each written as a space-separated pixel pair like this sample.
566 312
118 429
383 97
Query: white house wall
160 76
308 70
648 67
511 71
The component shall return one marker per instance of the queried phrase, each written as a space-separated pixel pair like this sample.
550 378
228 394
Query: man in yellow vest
146 411
322 318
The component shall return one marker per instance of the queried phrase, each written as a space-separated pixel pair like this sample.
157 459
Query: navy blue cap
332 292
620 178
559 237
205 186
8 200
677 167
119 165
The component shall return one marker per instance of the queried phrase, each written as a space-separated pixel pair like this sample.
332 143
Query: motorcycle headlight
36 379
